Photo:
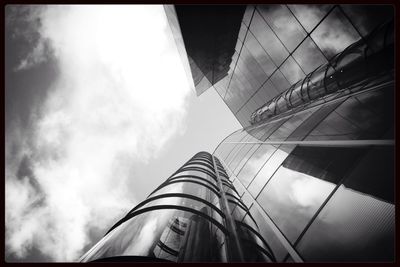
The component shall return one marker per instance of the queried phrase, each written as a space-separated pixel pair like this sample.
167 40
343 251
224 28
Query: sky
98 112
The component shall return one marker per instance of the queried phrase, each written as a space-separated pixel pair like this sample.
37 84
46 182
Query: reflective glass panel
367 17
334 34
279 81
309 56
276 246
259 54
301 185
292 71
309 15
254 164
357 224
284 24
268 39
267 171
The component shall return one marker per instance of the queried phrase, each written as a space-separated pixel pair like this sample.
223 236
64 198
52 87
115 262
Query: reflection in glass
268 39
267 171
254 164
309 56
284 24
351 227
161 234
309 15
259 54
302 183
367 17
292 71
278 249
334 34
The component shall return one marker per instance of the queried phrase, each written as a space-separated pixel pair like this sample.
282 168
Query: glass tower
310 176
196 215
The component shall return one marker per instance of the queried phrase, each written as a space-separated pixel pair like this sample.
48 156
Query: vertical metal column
235 253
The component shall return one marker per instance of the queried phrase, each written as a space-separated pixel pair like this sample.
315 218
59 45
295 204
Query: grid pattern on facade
185 220
278 45
316 203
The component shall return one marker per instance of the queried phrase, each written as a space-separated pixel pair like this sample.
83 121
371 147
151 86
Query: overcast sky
98 113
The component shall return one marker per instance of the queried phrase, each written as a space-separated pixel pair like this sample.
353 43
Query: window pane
245 158
269 236
259 54
268 39
252 65
254 164
267 171
358 223
290 125
308 56
309 15
284 24
334 34
367 17
280 81
302 184
292 71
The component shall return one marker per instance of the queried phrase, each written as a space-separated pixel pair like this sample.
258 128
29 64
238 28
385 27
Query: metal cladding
196 215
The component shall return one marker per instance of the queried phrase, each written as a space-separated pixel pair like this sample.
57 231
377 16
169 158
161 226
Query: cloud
119 97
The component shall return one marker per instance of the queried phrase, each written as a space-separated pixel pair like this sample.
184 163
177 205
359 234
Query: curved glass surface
208 209
166 234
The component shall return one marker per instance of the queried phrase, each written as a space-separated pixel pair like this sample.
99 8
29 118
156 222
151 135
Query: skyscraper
196 215
310 177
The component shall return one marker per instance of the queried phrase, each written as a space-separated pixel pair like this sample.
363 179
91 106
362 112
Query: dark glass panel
367 17
335 127
334 34
375 174
284 24
357 224
309 15
309 56
369 124
268 39
302 183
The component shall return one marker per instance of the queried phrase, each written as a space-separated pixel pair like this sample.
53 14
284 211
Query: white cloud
119 98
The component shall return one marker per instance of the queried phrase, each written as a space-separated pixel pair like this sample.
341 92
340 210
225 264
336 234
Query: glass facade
298 53
196 215
314 161
310 177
